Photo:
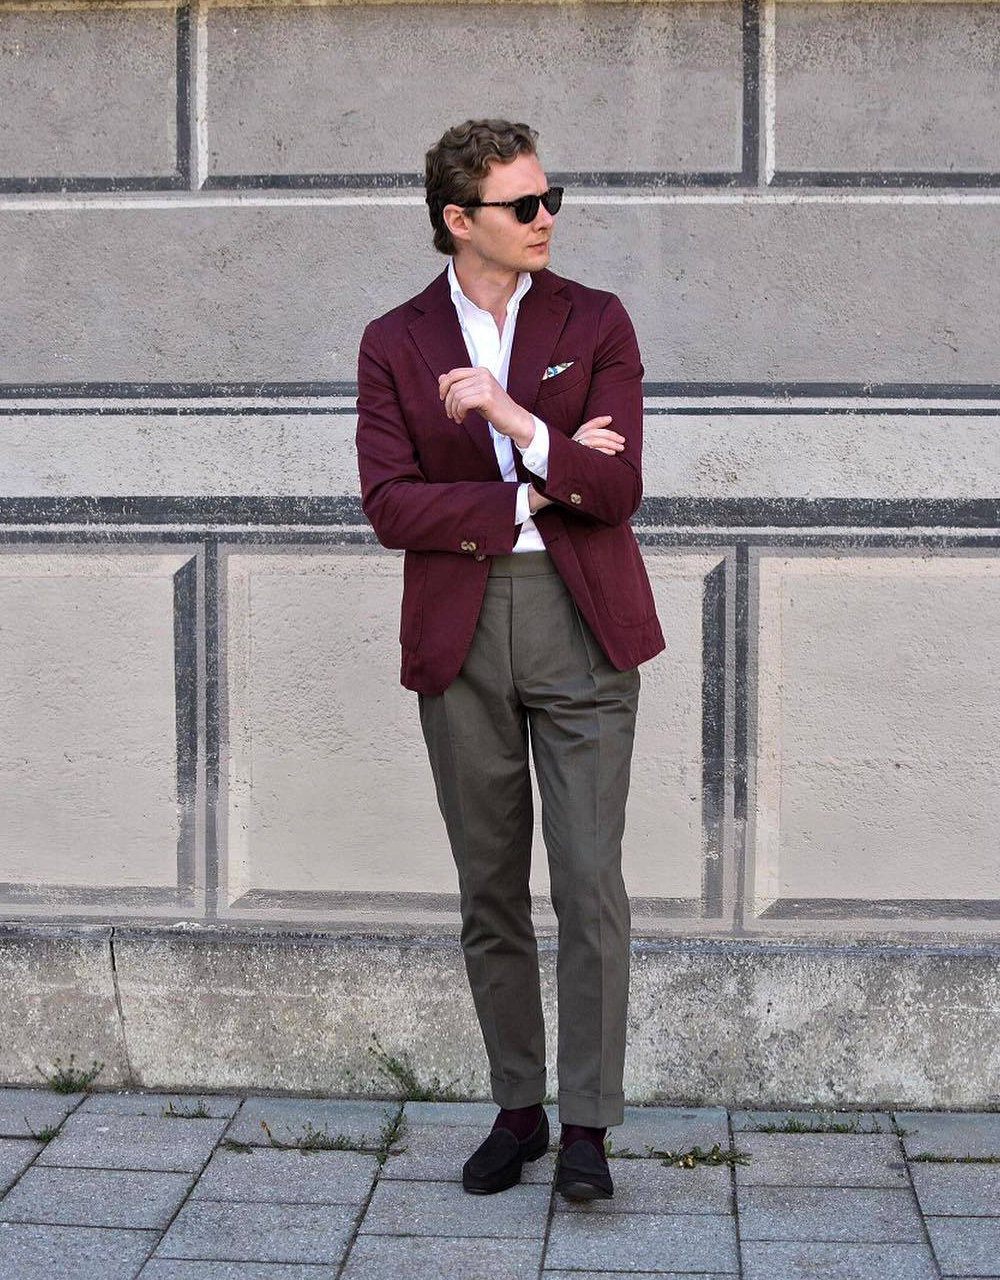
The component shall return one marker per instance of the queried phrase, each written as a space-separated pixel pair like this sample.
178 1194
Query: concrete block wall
201 206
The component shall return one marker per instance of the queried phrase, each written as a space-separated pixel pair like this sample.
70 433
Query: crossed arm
409 512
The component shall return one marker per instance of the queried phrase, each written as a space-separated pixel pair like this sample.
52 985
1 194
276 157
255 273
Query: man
526 604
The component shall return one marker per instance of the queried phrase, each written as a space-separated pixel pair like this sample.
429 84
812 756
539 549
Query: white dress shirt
490 349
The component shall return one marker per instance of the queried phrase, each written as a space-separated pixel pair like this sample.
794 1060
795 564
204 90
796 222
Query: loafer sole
580 1190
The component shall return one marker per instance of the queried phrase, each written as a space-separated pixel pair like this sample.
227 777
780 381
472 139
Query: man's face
495 236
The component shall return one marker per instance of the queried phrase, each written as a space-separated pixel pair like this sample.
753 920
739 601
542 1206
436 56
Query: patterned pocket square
553 369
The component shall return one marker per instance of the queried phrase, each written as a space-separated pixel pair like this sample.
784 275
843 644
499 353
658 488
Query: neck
486 284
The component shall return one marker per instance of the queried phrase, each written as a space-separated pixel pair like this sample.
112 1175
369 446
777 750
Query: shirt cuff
536 455
522 510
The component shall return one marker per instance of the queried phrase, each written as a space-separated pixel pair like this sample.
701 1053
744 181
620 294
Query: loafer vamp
581 1162
499 1149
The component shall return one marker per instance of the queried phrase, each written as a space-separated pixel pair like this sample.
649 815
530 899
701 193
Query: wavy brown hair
456 165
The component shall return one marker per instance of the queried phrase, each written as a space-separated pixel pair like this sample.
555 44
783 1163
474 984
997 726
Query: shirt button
575 497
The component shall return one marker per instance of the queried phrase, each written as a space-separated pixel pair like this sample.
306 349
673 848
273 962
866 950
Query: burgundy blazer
433 488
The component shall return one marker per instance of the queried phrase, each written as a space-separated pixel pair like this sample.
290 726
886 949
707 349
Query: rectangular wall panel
664 81
876 762
99 758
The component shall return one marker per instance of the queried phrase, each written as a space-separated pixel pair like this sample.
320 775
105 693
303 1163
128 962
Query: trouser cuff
597 1111
518 1093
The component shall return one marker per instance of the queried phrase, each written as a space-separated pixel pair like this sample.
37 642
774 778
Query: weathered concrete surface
741 290
666 77
743 1023
57 997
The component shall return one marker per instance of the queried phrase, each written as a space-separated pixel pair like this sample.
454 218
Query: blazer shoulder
585 295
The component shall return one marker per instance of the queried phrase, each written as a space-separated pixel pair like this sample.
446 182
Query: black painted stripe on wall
654 512
186 718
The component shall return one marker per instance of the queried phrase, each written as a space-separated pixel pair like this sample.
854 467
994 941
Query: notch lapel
438 336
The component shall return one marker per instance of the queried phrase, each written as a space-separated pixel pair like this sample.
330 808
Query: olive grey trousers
534 664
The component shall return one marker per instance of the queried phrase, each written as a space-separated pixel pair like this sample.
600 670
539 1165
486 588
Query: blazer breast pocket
562 381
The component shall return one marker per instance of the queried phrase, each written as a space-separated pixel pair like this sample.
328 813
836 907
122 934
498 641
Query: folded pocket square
553 369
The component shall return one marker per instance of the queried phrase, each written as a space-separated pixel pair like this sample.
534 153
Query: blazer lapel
540 319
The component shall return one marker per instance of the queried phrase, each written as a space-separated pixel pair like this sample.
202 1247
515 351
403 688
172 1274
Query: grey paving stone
268 1175
29 1252
821 1160
955 1133
178 1269
24 1110
442 1258
132 1142
828 1213
650 1186
259 1232
438 1151
862 1121
95 1198
642 1242
15 1156
799 1260
558 1274
670 1129
445 1209
957 1188
154 1104
290 1119
966 1246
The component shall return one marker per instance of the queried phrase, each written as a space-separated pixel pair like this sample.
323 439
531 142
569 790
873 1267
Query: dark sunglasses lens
526 208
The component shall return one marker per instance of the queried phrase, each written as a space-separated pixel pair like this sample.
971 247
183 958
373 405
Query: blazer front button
575 497
472 546
480 556
465 545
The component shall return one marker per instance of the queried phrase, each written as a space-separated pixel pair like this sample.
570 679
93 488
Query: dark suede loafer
496 1163
582 1172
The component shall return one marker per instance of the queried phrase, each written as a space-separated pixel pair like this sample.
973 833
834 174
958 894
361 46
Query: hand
601 438
537 500
464 389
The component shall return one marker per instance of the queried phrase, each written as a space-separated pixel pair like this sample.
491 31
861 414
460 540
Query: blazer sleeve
406 511
602 486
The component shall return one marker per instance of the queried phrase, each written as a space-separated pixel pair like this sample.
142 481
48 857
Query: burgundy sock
522 1121
570 1133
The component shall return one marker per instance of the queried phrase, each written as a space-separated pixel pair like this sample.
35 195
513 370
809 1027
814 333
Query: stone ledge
751 1023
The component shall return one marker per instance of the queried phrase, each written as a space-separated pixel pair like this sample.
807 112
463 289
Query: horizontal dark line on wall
344 899
587 179
882 178
789 390
14 894
345 509
159 182
882 908
777 540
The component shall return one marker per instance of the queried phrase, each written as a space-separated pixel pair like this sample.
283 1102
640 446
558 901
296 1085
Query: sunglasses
526 207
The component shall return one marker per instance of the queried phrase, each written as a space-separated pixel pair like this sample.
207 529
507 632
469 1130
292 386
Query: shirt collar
459 297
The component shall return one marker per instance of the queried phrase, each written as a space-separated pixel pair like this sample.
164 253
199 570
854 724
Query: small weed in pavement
200 1112
43 1135
400 1070
681 1159
70 1079
792 1125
